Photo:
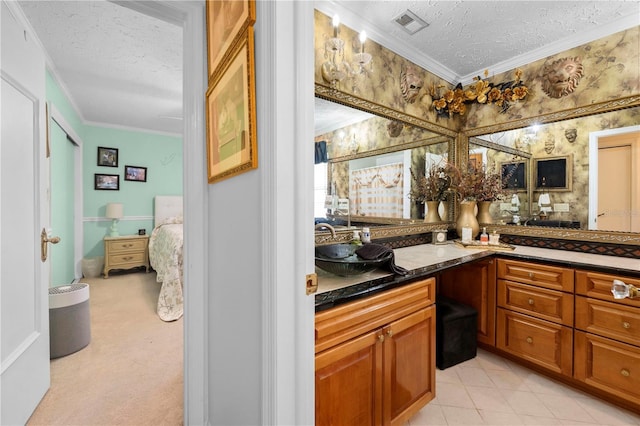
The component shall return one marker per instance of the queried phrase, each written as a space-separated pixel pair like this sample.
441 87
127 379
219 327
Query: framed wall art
553 173
231 115
107 157
135 173
514 175
107 182
226 22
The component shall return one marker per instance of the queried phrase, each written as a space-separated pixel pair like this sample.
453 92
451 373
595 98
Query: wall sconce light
620 290
114 211
335 68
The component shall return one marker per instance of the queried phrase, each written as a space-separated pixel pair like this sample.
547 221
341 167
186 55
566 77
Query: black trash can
456 332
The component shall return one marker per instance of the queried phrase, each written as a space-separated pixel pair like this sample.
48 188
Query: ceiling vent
410 22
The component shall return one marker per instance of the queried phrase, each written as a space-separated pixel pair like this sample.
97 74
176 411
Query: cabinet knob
530 301
529 340
390 333
625 372
626 325
381 337
531 275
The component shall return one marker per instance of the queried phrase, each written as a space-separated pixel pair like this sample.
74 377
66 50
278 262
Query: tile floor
490 390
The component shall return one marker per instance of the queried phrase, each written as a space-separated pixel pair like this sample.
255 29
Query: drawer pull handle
529 340
531 275
625 372
127 258
381 337
530 301
626 325
390 333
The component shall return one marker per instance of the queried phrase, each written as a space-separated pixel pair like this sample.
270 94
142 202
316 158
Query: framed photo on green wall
107 157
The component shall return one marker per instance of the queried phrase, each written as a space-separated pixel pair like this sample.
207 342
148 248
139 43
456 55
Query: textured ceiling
122 68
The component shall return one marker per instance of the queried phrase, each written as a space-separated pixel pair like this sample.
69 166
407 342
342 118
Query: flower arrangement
433 186
477 183
454 101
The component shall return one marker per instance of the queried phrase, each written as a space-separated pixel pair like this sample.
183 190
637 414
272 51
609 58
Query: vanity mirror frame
392 227
615 237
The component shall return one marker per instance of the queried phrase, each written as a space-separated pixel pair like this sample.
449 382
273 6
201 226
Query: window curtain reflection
321 152
377 191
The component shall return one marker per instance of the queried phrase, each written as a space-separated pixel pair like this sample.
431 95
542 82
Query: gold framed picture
231 115
226 22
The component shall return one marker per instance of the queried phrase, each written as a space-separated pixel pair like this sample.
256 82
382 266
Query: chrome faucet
329 227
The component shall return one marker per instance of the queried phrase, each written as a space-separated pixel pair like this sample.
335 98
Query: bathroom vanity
550 310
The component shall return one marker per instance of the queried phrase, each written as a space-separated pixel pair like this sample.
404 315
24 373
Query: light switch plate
561 207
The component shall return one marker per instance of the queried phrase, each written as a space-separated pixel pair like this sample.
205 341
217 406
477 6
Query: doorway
614 172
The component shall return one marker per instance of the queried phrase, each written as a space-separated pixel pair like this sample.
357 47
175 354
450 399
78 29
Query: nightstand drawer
118 259
551 305
608 319
116 246
541 342
553 277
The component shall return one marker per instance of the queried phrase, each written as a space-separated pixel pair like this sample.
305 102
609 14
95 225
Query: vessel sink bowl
350 265
337 251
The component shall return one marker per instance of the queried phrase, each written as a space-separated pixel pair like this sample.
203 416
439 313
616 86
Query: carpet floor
131 373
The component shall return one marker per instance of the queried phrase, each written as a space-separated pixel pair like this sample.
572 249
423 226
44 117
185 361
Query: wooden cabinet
375 357
474 284
535 313
126 252
607 345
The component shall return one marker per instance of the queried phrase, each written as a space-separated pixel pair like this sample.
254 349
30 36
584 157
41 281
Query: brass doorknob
44 239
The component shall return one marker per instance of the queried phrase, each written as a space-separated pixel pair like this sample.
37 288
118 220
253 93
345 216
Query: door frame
78 200
593 169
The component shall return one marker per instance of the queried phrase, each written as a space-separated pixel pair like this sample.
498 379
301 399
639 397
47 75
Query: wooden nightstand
125 252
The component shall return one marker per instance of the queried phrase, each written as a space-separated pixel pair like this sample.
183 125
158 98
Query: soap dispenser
484 237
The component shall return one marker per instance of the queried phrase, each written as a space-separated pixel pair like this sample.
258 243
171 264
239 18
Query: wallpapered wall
161 154
610 72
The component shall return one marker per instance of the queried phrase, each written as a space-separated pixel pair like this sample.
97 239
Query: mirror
583 171
369 161
498 152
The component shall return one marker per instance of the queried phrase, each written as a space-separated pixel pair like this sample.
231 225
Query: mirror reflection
583 173
366 178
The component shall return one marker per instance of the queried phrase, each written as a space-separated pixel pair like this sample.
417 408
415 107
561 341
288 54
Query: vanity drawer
608 319
553 277
598 286
551 305
608 365
547 344
353 319
137 244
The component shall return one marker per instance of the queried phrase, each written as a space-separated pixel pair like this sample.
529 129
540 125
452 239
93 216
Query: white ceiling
122 68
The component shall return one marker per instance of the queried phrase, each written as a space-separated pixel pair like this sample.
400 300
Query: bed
165 255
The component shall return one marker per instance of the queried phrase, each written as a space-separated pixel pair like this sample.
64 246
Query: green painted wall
160 154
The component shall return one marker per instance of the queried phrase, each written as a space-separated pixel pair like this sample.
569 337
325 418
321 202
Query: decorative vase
484 216
467 217
444 211
431 215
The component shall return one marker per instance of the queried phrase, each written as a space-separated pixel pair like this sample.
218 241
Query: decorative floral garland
454 101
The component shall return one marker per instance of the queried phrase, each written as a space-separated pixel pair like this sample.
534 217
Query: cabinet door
608 365
349 382
475 285
409 365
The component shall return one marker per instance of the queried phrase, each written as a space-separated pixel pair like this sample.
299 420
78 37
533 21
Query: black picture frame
514 179
104 182
135 173
107 157
553 173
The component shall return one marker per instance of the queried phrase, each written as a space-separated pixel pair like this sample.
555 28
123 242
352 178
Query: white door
24 212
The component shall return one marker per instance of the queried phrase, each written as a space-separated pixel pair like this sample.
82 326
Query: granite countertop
427 259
